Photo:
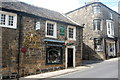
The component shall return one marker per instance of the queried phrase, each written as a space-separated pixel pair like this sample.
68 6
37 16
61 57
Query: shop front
54 51
110 48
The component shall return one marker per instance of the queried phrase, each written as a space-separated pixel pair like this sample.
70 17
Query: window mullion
6 20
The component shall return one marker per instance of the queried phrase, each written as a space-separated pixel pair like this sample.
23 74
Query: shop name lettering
31 40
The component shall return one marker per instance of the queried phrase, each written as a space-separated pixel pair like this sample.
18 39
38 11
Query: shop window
54 55
98 44
96 9
97 24
37 25
51 29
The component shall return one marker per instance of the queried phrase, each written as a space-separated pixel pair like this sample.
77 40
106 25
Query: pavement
61 72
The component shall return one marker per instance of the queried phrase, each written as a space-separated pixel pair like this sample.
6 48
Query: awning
55 41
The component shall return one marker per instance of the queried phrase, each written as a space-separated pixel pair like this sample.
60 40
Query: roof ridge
91 4
32 5
71 19
9 1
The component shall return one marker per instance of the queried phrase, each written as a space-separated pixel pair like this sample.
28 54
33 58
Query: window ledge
50 36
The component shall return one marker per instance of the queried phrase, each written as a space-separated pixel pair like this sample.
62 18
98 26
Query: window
98 44
96 9
2 19
111 15
51 29
37 25
110 28
54 55
71 33
97 24
8 19
119 20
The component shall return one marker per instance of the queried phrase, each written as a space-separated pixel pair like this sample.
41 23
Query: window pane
97 24
10 20
71 32
96 9
110 29
50 28
2 19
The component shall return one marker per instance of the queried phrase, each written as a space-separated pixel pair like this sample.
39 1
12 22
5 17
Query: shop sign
62 30
69 42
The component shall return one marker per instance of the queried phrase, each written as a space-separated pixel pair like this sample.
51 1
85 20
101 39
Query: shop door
70 57
111 50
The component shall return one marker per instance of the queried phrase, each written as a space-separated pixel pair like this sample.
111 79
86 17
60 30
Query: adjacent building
35 40
101 33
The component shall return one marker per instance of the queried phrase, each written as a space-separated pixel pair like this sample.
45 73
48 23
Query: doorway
70 57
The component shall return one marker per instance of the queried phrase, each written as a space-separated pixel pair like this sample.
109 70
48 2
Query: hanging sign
69 42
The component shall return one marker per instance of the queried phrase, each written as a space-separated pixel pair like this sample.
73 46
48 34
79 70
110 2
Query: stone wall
9 50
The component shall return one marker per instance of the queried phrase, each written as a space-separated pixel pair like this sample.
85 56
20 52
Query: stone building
36 40
101 30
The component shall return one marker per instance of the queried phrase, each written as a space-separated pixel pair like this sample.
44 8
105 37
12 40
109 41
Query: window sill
110 36
51 36
71 39
10 27
99 50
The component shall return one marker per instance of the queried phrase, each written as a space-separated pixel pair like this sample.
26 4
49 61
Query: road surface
106 69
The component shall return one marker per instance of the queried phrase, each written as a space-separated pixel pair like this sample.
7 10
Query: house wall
86 16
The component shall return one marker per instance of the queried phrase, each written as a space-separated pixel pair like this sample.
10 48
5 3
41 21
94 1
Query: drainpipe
105 45
19 44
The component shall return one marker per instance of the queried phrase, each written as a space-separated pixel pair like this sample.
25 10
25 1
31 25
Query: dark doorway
70 57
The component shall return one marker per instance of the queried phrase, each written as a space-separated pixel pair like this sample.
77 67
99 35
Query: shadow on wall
118 54
90 54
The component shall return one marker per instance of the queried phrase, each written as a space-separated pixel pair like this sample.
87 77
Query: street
106 69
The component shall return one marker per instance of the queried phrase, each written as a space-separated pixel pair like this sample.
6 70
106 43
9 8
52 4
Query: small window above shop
71 33
51 29
96 9
97 24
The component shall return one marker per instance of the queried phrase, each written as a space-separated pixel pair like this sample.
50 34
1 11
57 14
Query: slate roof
37 11
91 4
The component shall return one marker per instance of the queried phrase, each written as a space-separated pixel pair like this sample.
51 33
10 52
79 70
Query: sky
64 6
